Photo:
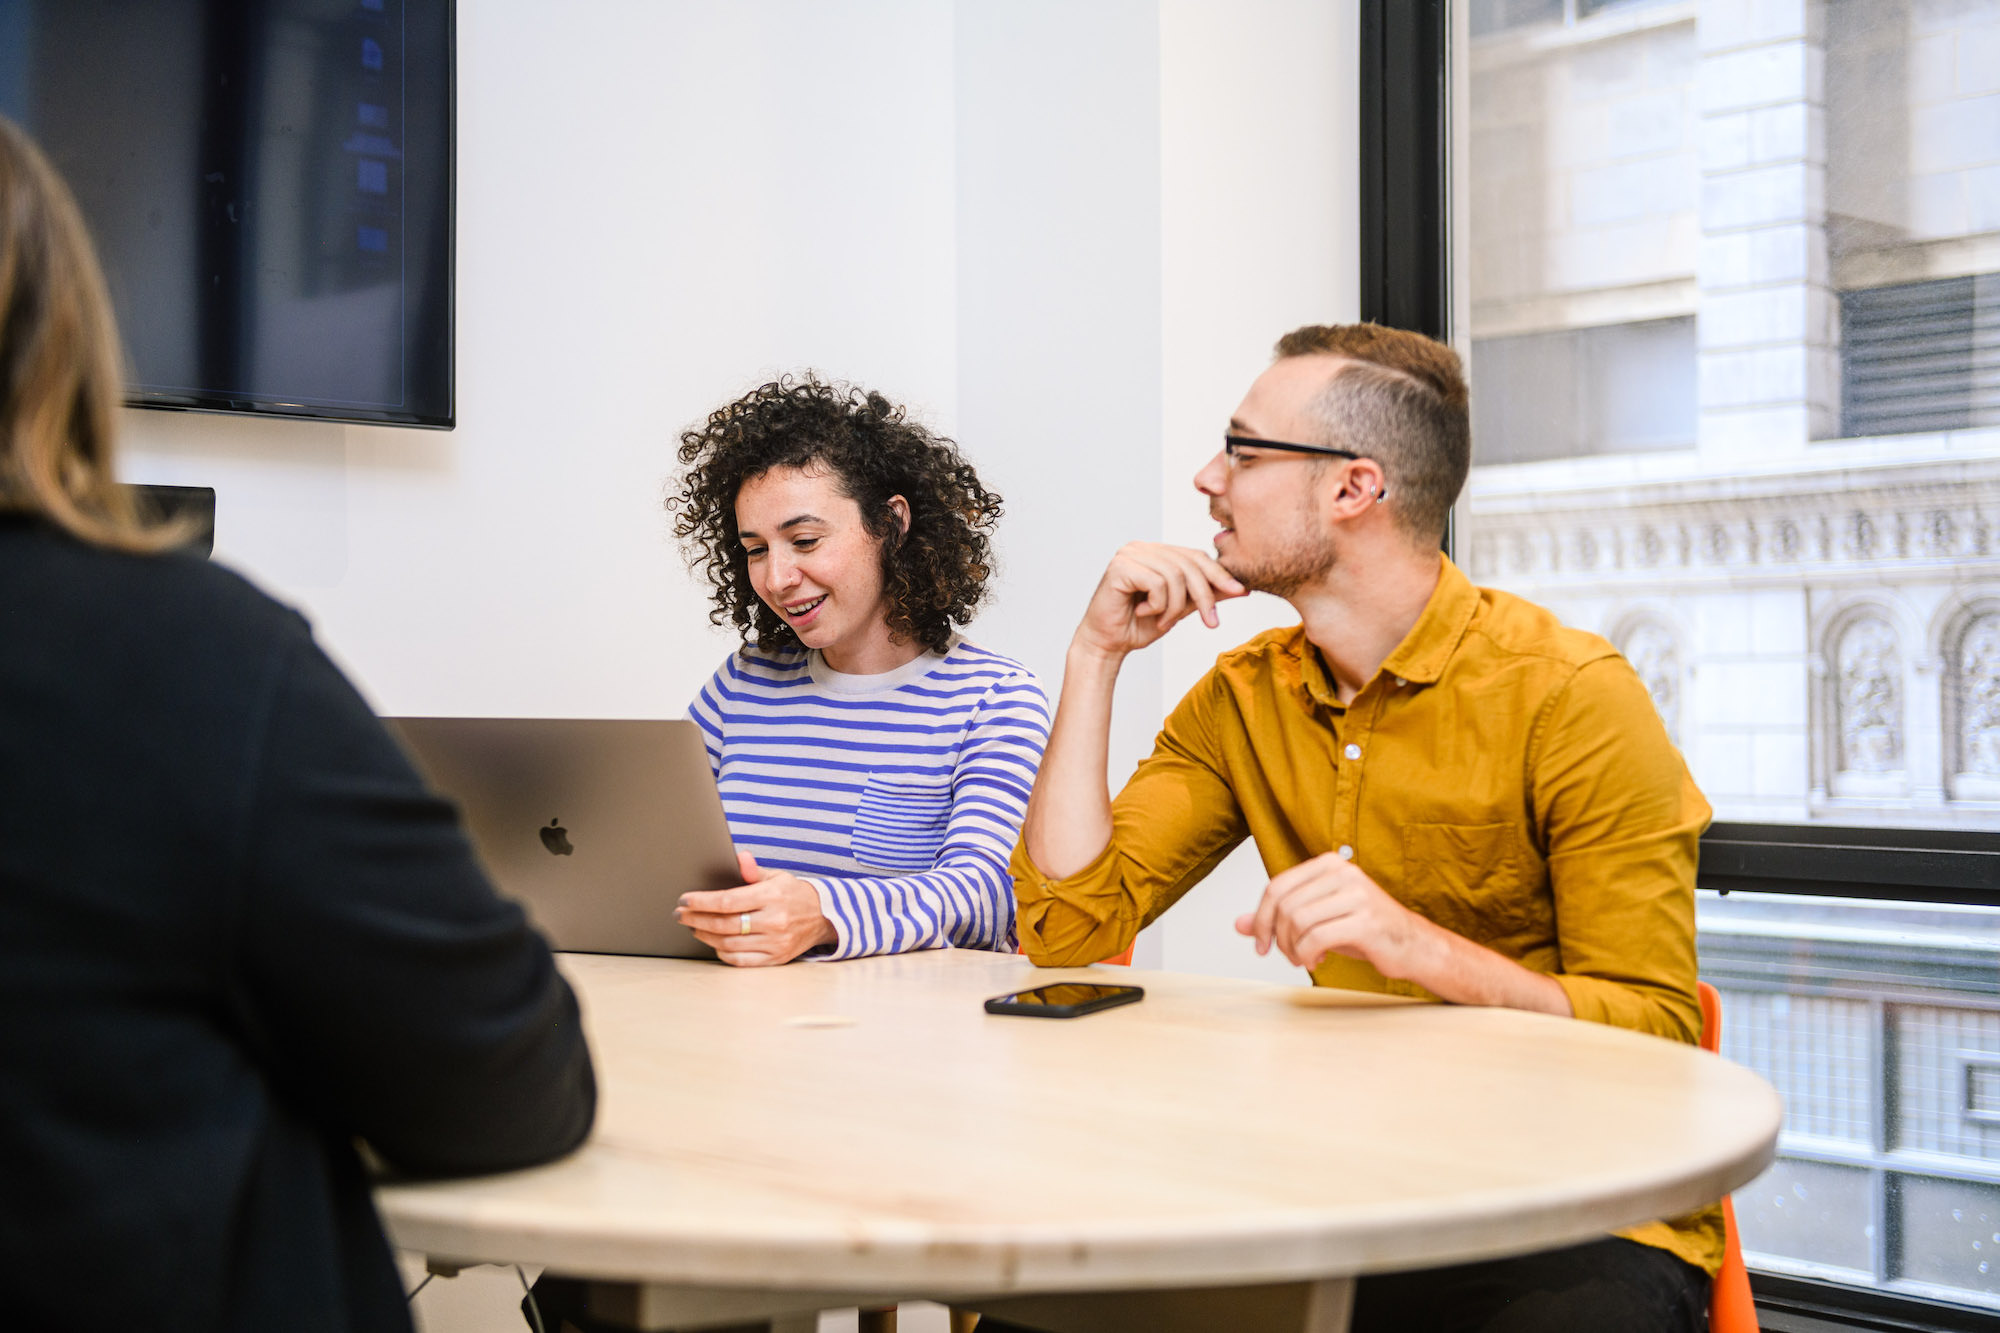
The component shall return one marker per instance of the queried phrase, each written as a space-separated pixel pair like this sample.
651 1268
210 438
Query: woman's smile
802 614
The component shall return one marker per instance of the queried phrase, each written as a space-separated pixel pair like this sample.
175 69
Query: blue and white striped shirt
898 796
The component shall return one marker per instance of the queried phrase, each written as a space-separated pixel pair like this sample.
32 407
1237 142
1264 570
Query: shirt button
1345 853
1400 681
1353 752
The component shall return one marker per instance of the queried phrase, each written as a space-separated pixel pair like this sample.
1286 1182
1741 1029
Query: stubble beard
1304 556
1286 574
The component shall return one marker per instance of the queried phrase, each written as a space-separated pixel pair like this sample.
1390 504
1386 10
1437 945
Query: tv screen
269 183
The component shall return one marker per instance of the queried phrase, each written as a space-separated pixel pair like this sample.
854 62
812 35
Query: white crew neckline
842 682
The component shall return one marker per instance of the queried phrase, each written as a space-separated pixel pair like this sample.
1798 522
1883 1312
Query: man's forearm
1453 968
1069 813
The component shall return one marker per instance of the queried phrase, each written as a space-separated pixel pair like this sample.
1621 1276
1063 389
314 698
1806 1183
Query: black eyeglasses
1232 444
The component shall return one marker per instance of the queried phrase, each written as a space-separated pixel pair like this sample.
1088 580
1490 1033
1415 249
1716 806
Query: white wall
1259 209
659 205
1065 231
1059 272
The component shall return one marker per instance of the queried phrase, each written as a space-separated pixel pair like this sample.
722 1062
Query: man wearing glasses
1457 797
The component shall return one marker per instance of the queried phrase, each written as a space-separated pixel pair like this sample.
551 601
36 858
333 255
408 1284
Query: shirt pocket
900 824
1468 879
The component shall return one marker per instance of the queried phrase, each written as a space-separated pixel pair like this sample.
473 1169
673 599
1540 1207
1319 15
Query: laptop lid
596 827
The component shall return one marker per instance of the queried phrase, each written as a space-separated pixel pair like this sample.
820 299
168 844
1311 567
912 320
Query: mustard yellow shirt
1502 775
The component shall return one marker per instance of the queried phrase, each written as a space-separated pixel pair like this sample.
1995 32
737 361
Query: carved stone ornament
1869 698
1977 682
1895 520
1655 655
1940 533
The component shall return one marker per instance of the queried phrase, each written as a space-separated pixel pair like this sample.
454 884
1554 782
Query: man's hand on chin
1148 589
1145 591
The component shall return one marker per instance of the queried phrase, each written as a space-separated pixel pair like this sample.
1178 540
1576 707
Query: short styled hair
61 370
1401 401
933 576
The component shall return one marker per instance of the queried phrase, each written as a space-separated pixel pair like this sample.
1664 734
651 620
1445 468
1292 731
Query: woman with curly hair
874 765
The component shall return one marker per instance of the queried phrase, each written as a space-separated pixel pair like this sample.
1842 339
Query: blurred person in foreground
237 934
1455 796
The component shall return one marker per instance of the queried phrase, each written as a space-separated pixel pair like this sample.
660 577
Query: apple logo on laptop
556 838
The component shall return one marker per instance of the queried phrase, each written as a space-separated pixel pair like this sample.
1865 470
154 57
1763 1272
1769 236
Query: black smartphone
1065 999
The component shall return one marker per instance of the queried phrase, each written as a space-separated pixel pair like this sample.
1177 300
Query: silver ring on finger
744 922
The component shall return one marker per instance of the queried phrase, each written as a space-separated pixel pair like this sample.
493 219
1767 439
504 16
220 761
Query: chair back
1730 1307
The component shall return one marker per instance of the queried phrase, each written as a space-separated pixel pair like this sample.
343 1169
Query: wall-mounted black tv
269 183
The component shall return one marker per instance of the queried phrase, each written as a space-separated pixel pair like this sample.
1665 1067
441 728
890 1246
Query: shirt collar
846 682
1318 681
1427 648
1424 651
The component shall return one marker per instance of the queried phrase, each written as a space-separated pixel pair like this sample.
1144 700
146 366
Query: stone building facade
1735 363
1736 378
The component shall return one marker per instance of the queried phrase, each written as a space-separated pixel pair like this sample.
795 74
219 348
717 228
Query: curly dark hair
933 576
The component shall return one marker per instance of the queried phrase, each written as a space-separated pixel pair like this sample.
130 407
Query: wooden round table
860 1132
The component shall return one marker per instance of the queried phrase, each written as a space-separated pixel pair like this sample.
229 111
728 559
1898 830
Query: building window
1489 16
1921 357
1615 389
1499 15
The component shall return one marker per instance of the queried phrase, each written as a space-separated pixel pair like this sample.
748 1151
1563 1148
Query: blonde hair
1402 401
61 370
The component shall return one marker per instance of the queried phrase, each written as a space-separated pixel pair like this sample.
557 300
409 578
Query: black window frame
1405 271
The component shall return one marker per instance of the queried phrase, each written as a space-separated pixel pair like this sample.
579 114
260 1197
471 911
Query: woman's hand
773 918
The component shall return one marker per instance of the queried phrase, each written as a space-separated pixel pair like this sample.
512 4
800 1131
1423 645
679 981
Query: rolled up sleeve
1622 819
1173 822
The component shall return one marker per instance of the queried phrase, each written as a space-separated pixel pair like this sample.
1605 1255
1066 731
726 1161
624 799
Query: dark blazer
236 934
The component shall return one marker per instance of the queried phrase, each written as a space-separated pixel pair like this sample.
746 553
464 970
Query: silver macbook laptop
596 827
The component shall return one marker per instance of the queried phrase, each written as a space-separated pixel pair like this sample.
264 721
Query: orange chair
884 1321
1730 1307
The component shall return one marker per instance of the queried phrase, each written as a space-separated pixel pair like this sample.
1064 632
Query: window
1621 388
1490 16
1875 1022
1921 356
1689 239
1731 275
1498 15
